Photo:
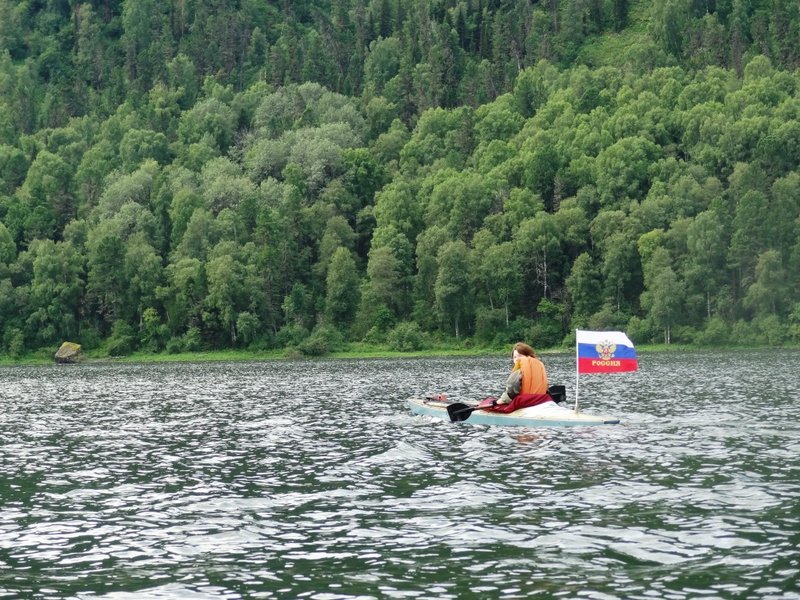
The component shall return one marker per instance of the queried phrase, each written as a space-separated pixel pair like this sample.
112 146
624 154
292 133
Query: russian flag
605 352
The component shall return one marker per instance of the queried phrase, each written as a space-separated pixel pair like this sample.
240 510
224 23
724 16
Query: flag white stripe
596 337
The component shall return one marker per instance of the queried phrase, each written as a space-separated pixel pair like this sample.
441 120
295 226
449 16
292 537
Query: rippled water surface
313 480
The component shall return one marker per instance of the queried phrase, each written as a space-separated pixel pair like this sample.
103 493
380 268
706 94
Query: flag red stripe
613 365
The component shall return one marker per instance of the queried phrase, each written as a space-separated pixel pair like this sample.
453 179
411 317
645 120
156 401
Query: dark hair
523 349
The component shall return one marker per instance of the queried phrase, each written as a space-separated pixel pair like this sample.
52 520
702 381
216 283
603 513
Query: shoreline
358 353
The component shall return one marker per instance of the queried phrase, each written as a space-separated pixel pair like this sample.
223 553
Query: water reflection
297 479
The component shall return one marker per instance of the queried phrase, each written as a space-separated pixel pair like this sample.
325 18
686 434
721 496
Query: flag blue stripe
590 351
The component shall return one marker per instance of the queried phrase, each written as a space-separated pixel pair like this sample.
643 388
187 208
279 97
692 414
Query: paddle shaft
461 412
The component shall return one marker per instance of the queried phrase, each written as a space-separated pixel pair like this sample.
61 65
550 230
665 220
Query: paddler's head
522 349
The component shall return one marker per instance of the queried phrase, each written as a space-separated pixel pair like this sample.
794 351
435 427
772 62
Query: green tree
298 306
623 170
573 229
96 164
620 13
13 168
538 241
380 113
460 202
182 78
440 134
8 249
706 269
223 185
319 152
533 87
385 279
767 295
105 284
341 300
389 145
784 210
143 274
398 205
226 293
749 234
619 267
584 286
338 234
12 32
55 292
498 120
540 162
381 64
143 24
452 288
429 242
363 176
139 145
123 189
669 25
500 276
94 56
182 206
210 116
548 329
519 205
8 128
152 330
202 233
47 196
663 293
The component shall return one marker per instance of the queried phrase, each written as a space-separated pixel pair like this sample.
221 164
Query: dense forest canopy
218 173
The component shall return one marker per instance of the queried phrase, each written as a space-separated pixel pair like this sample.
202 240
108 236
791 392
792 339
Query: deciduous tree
341 299
452 288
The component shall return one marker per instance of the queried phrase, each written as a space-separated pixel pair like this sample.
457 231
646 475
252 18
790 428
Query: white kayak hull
548 414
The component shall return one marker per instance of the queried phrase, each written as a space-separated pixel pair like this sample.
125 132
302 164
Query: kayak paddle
459 411
558 393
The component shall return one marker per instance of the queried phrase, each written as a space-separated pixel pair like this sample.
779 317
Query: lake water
313 480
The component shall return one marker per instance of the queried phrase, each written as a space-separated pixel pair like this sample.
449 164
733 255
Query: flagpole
577 371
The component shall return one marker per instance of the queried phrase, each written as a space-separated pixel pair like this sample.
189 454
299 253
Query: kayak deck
548 414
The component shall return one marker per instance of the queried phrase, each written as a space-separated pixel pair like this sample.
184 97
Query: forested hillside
188 174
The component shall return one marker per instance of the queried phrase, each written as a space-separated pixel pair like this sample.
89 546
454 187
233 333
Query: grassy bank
353 351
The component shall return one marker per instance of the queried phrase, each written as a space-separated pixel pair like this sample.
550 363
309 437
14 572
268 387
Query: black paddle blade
459 411
557 392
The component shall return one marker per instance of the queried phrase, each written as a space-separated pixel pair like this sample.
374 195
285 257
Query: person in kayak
527 383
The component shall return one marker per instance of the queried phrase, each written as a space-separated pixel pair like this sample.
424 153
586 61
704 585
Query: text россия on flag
605 352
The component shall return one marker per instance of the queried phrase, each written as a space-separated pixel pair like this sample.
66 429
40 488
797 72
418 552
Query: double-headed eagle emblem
606 350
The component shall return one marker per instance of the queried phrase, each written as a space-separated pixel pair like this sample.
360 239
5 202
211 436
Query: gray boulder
68 353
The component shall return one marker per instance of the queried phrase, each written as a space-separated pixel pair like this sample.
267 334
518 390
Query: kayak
547 414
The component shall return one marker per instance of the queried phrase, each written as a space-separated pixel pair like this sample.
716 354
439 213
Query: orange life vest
534 377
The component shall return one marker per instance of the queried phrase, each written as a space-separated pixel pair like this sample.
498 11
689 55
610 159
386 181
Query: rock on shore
68 353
